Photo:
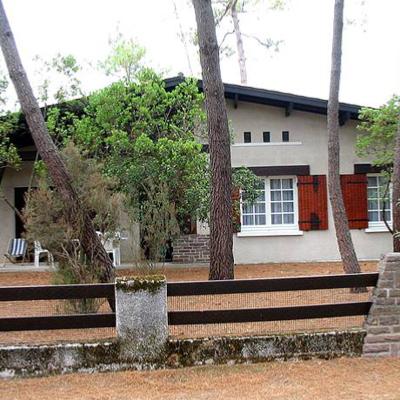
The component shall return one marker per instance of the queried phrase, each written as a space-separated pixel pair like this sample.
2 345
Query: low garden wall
111 356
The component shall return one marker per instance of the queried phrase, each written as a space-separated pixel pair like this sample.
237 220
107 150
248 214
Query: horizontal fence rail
57 292
268 314
73 321
272 284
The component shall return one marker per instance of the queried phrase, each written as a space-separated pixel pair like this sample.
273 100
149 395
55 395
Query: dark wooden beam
29 155
1 174
367 169
344 116
281 170
235 100
73 321
56 292
288 109
268 314
316 282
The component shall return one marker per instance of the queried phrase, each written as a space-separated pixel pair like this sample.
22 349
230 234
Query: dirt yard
251 300
344 379
175 273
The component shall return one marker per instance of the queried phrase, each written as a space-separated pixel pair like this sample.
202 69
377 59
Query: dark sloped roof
21 136
279 99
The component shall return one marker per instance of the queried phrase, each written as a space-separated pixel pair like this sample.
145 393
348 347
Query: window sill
283 232
376 229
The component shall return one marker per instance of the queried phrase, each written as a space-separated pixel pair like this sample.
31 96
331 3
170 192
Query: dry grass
342 379
196 303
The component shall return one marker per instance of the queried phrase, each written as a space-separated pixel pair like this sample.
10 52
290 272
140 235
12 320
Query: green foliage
245 180
8 152
378 127
144 107
9 156
59 78
46 220
124 60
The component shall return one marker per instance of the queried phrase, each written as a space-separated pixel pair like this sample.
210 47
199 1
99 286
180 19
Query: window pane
248 220
276 207
260 208
373 216
275 183
287 183
247 208
276 219
288 218
372 181
288 207
388 216
260 219
372 193
372 204
275 196
287 195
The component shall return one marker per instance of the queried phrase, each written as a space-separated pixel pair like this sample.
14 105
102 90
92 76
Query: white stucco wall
13 179
310 131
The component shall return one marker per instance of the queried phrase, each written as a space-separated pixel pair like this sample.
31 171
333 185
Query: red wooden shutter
354 189
236 210
313 204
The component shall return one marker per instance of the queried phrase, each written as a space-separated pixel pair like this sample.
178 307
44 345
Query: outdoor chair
16 248
111 246
40 250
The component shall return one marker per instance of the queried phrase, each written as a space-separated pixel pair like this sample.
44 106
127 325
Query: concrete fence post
141 317
383 321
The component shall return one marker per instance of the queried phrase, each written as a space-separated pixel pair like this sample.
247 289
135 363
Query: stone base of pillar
383 321
141 317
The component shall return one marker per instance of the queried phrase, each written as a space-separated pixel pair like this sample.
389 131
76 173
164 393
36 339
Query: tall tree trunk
74 212
396 191
239 43
221 227
345 243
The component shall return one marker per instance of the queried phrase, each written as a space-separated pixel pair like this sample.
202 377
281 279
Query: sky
371 49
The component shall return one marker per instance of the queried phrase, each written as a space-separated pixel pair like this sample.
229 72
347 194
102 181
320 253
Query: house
282 138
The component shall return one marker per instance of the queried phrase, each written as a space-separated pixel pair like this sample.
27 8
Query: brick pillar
383 321
141 317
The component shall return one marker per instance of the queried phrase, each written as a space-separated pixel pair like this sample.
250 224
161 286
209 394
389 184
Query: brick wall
383 321
191 249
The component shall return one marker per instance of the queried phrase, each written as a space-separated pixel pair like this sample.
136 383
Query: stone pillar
383 321
141 317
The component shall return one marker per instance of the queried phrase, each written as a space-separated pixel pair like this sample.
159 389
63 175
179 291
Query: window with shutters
275 210
379 202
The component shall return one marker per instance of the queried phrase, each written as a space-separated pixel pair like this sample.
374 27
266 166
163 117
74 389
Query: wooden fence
270 285
179 289
57 292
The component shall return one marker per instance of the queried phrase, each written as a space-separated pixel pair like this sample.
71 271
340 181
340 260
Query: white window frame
270 229
379 226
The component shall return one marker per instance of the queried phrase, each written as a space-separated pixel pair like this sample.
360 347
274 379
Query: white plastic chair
111 246
40 250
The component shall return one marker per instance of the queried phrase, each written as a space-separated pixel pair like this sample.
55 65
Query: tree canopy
378 128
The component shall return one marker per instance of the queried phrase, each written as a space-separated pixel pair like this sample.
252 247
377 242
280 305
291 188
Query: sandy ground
201 273
344 379
258 300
